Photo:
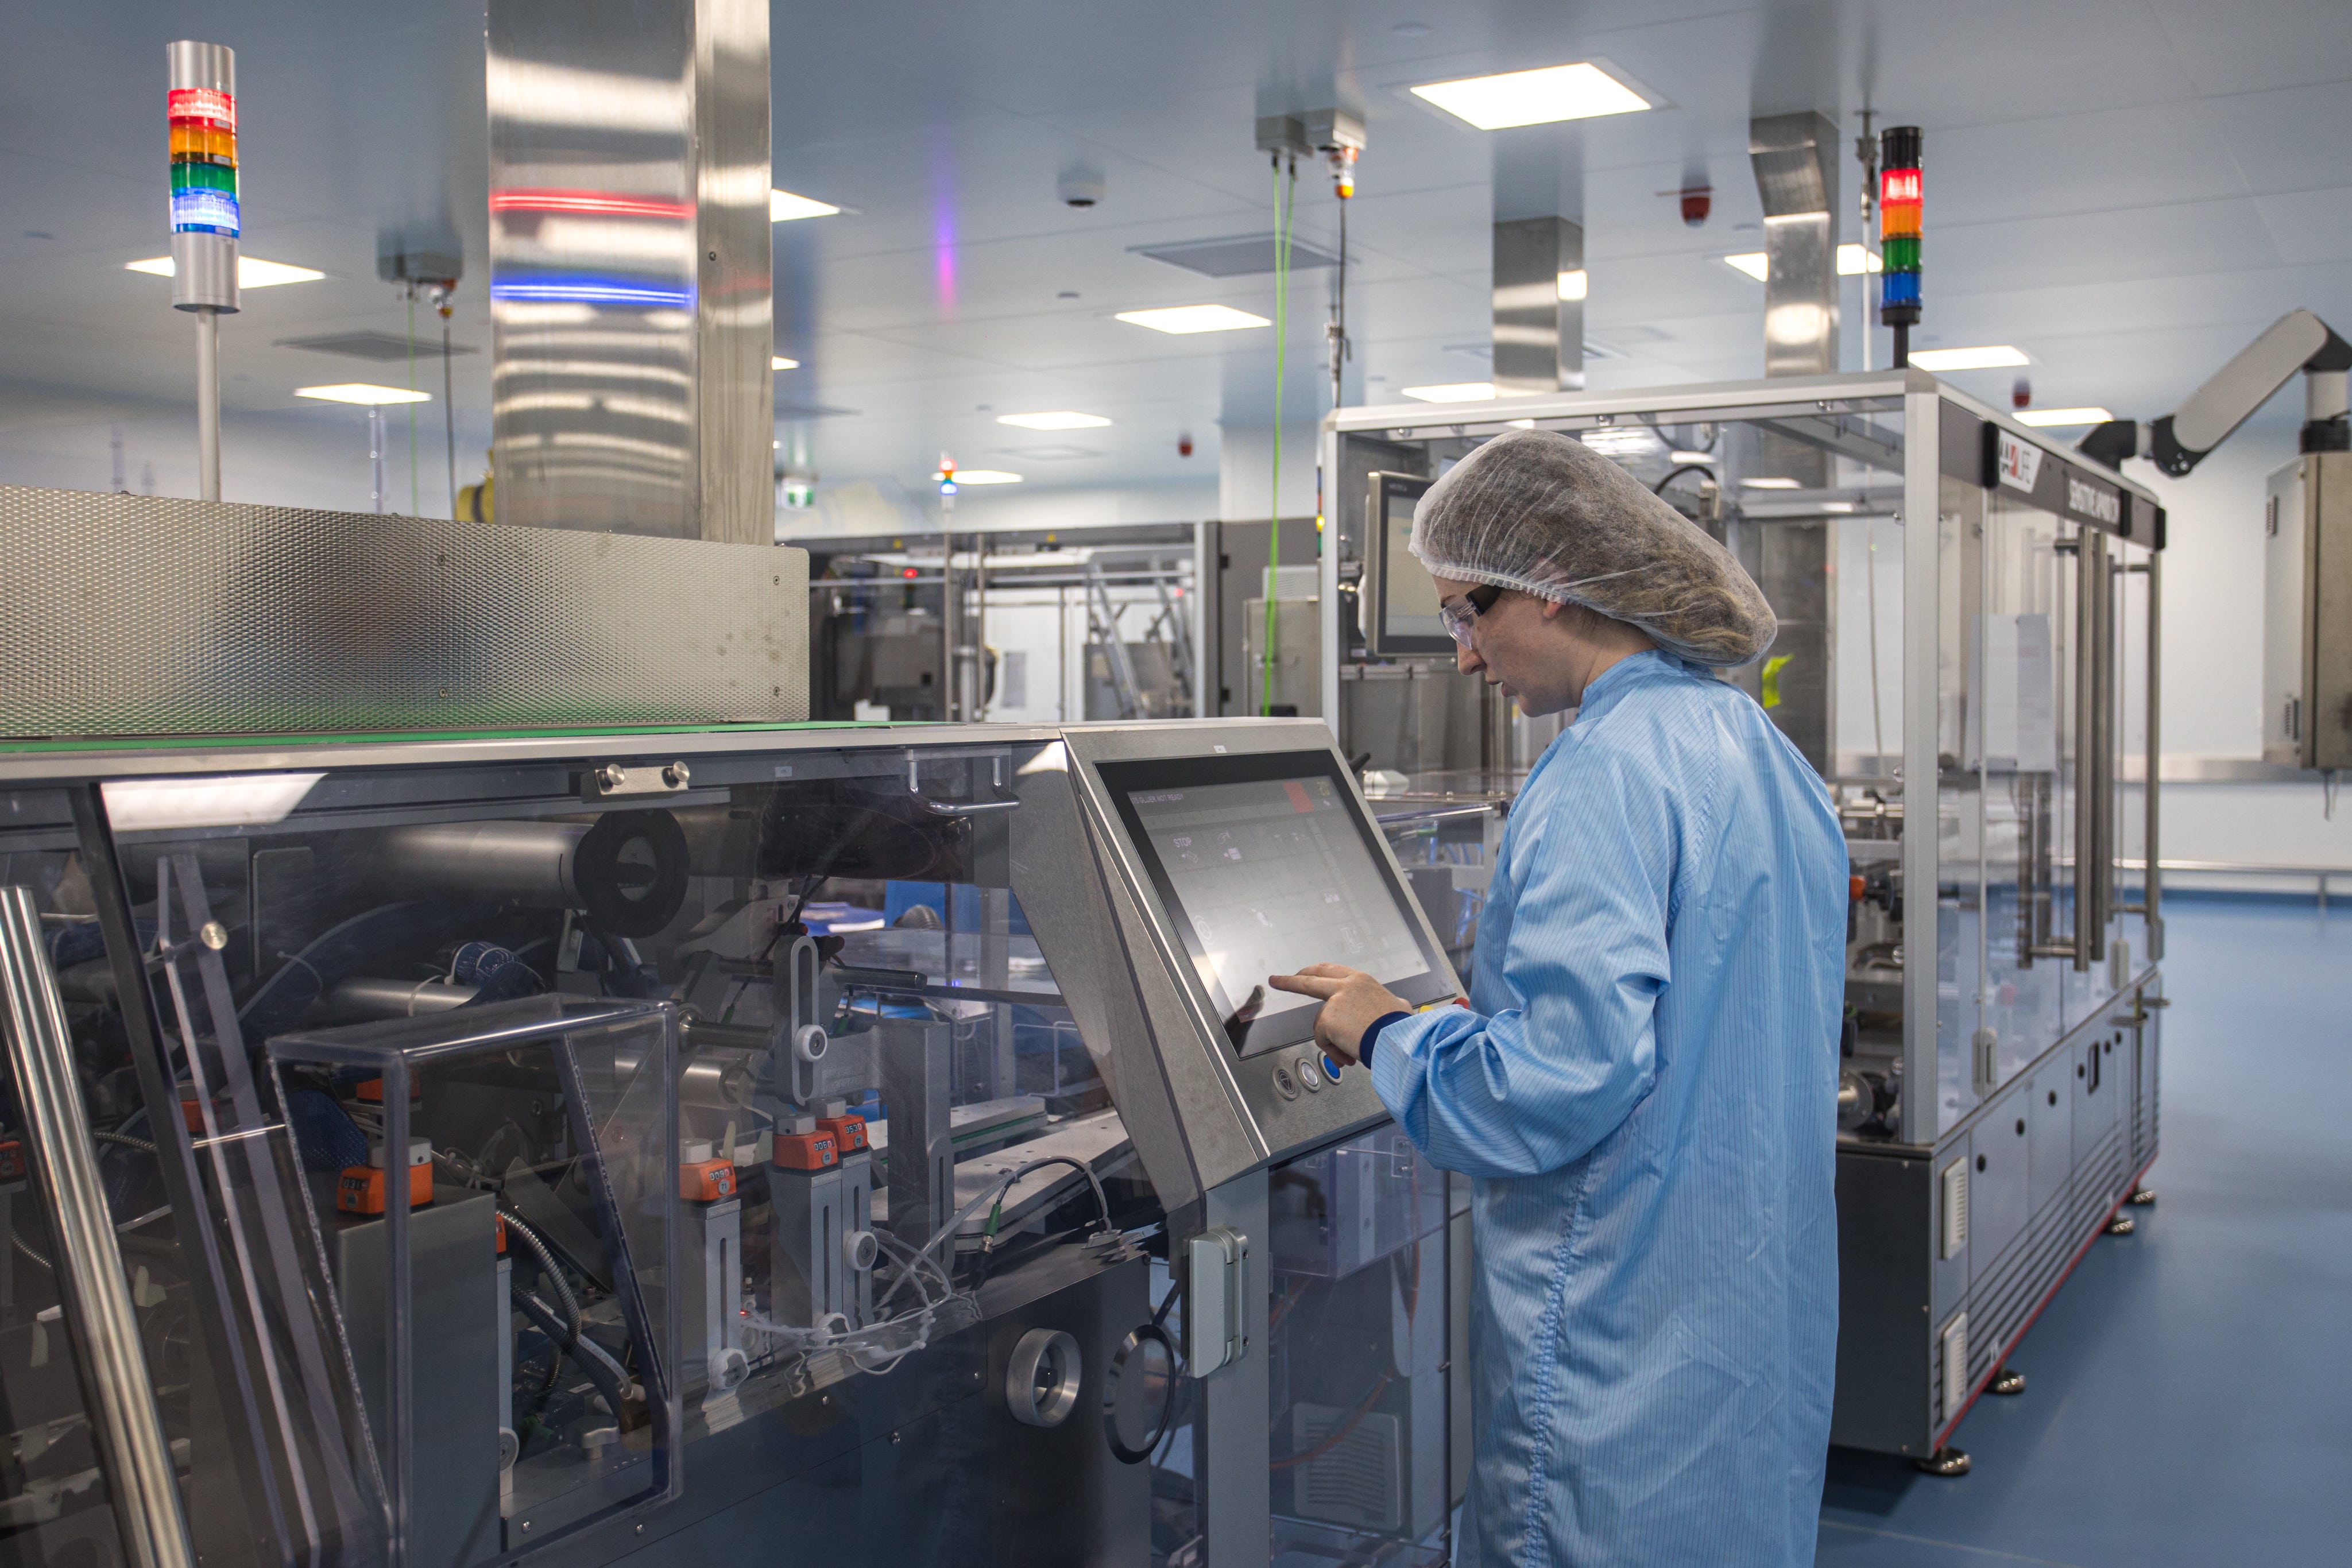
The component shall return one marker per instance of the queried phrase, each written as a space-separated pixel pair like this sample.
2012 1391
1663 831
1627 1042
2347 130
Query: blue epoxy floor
2189 1397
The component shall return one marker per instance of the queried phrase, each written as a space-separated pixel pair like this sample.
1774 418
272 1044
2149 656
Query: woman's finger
1305 985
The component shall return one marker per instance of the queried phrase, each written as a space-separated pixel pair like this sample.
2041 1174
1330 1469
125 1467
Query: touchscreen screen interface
1265 875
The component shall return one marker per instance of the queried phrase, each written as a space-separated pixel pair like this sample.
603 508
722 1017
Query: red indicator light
594 204
204 105
1898 185
909 573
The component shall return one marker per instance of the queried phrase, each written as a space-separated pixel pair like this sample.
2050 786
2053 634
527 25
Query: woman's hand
1352 1002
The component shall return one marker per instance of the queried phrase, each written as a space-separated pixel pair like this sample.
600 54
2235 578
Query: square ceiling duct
384 348
1241 256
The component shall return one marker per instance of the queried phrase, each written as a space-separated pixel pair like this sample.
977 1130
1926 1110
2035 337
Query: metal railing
2320 874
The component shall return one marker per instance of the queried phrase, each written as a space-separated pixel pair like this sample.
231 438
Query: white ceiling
2128 189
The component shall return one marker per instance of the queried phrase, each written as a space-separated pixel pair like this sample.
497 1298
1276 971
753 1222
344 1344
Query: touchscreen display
1410 607
1267 875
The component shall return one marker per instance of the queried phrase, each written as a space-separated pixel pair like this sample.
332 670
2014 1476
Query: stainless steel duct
1795 159
1539 280
630 289
1538 306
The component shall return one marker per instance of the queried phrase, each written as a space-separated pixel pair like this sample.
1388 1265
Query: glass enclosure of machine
2005 649
575 1141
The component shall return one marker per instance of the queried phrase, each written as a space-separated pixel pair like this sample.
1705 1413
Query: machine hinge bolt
609 777
675 775
214 936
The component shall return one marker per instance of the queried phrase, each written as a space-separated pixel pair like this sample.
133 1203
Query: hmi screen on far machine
1268 876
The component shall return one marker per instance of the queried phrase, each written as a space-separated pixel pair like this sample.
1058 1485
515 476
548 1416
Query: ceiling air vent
1242 256
382 346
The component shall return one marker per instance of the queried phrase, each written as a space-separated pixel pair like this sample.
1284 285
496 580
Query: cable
416 507
124 1140
1282 208
554 1276
995 1194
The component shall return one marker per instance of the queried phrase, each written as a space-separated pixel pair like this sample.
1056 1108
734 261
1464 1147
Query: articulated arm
2180 440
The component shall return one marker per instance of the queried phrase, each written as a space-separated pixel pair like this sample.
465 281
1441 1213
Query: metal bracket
613 780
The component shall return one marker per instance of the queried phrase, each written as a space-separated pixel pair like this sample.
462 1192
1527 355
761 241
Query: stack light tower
1898 235
206 221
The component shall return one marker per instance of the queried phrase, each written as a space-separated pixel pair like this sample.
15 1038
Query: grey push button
1311 1074
1285 1085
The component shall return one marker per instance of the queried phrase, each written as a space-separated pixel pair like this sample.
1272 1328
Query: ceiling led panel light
1194 319
1851 259
361 392
784 207
1058 419
979 476
1453 392
1580 91
1990 356
778 362
2056 416
252 272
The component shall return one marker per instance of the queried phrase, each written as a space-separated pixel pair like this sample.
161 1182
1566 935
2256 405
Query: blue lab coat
1644 1092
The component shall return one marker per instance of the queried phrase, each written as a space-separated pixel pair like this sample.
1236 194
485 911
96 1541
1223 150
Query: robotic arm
2180 440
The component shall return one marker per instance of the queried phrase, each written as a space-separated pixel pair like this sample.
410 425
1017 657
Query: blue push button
1331 1069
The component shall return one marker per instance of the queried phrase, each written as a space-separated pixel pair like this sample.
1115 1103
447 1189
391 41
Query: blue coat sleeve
1538 1083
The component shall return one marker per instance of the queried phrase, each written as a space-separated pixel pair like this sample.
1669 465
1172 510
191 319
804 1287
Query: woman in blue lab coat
1643 1087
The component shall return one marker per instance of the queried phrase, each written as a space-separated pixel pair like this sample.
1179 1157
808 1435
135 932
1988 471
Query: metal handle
96 1299
2152 885
955 808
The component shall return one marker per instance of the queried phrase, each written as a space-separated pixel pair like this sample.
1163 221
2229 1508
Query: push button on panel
1311 1074
1285 1085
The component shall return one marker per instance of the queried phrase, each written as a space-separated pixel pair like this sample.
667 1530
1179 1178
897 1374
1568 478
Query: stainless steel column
1540 288
631 286
108 1353
1795 159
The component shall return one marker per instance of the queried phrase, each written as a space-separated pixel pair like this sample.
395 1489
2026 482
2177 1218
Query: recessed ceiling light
1770 484
1851 259
252 272
361 392
1572 285
1989 357
1839 506
1194 319
2056 416
1687 459
784 207
1580 91
1453 392
1057 419
778 362
979 476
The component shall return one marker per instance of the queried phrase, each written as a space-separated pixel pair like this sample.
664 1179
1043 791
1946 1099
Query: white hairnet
1549 516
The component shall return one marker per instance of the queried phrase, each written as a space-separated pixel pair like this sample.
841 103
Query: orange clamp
360 1189
1854 888
806 1151
848 1133
706 1181
500 1224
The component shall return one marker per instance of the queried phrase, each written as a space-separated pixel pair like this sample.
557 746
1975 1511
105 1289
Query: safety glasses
1461 614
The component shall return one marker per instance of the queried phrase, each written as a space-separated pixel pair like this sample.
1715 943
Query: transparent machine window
895 1172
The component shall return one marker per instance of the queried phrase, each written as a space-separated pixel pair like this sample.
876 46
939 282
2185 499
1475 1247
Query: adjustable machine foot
1945 1461
2121 1225
2008 1380
2142 1198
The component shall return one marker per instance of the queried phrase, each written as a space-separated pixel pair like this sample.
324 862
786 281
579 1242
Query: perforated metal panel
131 615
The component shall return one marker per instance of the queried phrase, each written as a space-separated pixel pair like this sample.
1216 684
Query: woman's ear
1552 607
